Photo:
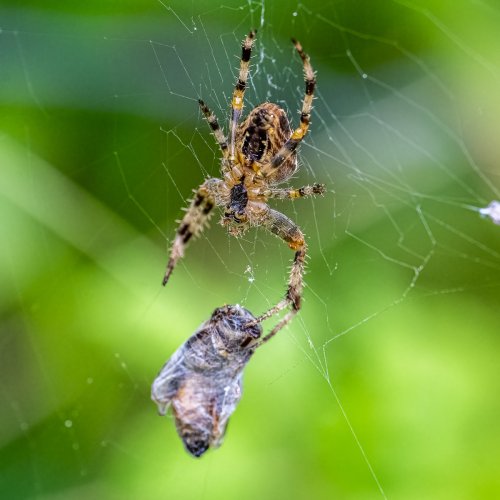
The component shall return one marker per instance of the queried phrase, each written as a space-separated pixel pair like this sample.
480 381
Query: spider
260 155
202 380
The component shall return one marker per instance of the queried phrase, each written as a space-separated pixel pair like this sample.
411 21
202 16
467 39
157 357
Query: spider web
385 384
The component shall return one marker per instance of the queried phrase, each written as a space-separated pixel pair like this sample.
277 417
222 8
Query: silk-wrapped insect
202 381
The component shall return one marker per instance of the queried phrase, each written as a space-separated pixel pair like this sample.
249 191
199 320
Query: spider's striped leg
305 117
293 297
293 193
214 125
239 89
192 224
286 319
283 227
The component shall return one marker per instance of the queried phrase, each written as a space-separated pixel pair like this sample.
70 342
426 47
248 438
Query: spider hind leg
240 87
288 149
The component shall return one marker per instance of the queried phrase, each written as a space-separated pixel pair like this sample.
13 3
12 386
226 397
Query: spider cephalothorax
260 154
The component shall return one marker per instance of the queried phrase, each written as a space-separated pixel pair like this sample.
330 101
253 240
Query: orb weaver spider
260 155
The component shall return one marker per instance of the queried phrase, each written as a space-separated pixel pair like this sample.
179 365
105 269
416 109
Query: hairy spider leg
217 131
239 89
293 193
283 227
280 225
191 225
284 321
293 297
305 117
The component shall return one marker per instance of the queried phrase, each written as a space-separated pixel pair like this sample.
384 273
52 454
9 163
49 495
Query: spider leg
293 297
214 125
292 193
305 117
239 89
286 319
193 223
286 229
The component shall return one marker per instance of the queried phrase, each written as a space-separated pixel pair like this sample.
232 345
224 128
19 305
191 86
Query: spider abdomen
261 136
255 144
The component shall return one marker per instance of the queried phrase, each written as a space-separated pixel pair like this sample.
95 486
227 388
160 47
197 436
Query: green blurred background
388 381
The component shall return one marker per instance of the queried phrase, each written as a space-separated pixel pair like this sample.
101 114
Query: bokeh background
387 383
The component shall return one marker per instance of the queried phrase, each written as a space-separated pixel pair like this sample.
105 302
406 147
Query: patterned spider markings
260 155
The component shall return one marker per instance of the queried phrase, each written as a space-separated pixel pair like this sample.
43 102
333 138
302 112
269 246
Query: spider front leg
286 229
193 222
293 296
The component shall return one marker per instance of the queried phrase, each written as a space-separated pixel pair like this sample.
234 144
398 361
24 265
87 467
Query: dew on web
492 211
